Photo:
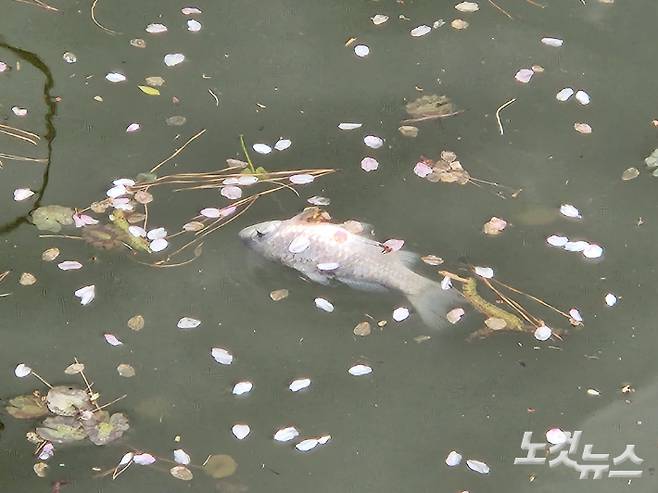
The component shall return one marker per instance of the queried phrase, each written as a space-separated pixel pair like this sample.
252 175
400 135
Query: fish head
257 236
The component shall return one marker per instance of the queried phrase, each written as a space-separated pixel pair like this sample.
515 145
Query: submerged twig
93 18
22 158
431 117
39 3
500 108
179 150
499 8
214 97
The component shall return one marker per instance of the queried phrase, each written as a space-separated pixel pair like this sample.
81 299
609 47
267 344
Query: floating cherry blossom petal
524 75
575 314
156 28
552 42
486 272
69 265
422 169
172 59
156 234
227 211
477 466
454 458
299 244
81 220
241 431
543 333
286 434
231 192
349 126
583 98
133 127
400 314
193 25
190 11
112 340
86 294
221 355
432 260
575 246
393 245
299 384
379 19
126 459
421 30
494 226
116 191
582 128
158 245
242 387
137 231
446 283
262 148
361 51
19 111
369 164
181 457
282 144
324 439
373 141
306 445
22 194
455 315
593 251
328 266
247 180
3 67
302 179
323 304
569 210
115 77
319 200
210 212
610 299
188 323
564 94
557 240
143 459
47 451
22 370
359 370
555 436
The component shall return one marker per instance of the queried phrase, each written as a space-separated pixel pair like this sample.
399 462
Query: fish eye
259 234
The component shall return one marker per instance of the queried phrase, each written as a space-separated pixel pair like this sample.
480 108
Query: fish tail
432 303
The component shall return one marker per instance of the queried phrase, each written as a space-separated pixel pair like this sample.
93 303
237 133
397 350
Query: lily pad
27 407
52 218
65 400
61 429
105 428
220 466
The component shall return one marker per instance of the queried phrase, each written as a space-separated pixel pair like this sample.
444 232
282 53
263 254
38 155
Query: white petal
18 111
115 77
593 251
575 314
299 244
557 241
569 210
553 42
241 431
400 314
133 127
221 355
156 234
610 299
137 231
324 439
454 459
242 387
306 445
124 182
421 30
143 459
112 340
576 246
446 283
318 200
126 459
156 28
564 94
582 97
328 266
69 265
302 179
467 7
299 384
246 180
369 164
486 272
22 370
116 191
543 333
379 19
373 141
172 59
190 10
22 194
361 50
86 294
286 434
455 315
158 245
188 323
524 75
262 148
231 192
210 212
282 144
349 126
181 457
555 436
193 25
477 466
323 304
358 370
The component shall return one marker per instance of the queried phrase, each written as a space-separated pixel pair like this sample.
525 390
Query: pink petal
524 75
393 245
369 164
112 340
231 192
210 212
422 169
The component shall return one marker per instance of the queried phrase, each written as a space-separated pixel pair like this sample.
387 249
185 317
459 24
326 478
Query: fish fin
433 302
359 228
361 285
409 259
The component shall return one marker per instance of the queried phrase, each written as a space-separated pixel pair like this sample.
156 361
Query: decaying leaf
494 323
61 429
50 254
52 218
27 279
103 428
430 105
125 370
65 400
630 174
279 294
408 131
494 226
432 260
40 469
181 472
362 329
136 322
74 368
27 407
220 466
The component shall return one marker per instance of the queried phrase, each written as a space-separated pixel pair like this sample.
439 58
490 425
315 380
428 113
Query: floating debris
630 174
400 314
241 388
459 24
361 51
583 98
553 42
173 59
421 30
494 226
115 77
569 210
477 466
182 473
240 431
50 254
27 279
582 128
181 457
286 434
524 75
379 19
408 131
455 315
564 94
86 294
349 126
136 323
555 436
188 323
279 294
299 384
323 304
222 356
362 329
359 370
610 299
454 459
125 370
22 194
22 370
220 466
543 333
369 164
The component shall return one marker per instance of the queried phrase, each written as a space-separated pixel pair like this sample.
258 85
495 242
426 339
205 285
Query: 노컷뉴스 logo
565 452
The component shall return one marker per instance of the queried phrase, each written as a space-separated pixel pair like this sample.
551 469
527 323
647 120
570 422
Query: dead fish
324 252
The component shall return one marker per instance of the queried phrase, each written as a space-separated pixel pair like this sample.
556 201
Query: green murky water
391 430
